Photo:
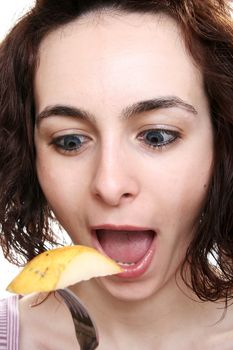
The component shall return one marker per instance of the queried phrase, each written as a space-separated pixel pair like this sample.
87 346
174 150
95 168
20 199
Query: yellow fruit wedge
60 268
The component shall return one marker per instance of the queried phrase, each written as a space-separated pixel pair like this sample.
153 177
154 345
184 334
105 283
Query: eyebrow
127 113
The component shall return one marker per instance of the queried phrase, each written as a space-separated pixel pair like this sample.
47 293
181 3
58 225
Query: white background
8 271
10 11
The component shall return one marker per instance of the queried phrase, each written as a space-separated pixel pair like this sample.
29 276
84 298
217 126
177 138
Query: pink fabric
9 323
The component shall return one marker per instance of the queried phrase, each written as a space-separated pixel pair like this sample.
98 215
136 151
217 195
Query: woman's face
124 142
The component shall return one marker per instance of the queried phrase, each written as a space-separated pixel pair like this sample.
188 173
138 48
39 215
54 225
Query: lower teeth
125 263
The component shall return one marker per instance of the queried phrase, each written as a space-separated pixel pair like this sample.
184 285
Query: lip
120 228
139 268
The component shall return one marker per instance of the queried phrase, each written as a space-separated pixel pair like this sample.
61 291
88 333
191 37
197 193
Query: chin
128 290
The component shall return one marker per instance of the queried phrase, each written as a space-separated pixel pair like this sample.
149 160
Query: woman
116 118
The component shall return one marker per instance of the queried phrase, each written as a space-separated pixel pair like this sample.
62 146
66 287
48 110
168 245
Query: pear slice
60 268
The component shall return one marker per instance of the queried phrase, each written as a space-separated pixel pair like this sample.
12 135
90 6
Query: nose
115 180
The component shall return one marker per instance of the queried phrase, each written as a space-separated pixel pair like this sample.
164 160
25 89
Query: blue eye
156 138
70 142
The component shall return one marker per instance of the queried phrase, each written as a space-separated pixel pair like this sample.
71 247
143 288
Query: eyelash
61 142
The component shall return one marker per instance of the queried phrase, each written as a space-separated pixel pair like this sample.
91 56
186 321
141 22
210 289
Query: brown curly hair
207 28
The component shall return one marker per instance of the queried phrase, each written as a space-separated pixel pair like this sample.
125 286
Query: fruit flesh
60 268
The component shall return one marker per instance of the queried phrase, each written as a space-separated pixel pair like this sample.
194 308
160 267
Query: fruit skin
60 268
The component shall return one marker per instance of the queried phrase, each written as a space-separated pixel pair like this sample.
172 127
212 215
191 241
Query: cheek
180 185
55 181
190 198
64 183
187 196
59 194
192 182
51 185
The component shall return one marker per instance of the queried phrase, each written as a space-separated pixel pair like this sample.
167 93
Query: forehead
115 57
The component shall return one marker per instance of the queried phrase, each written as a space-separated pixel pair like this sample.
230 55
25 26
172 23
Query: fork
85 328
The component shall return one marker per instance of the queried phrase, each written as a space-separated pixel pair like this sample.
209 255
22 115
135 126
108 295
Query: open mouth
131 249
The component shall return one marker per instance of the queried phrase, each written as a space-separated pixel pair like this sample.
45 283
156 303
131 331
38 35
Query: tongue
125 246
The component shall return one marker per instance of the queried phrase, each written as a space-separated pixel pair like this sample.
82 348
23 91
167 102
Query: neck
174 309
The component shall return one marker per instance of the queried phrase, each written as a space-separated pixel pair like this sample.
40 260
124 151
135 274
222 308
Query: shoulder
45 323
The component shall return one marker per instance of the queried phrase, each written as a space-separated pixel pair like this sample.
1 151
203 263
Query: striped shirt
9 323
